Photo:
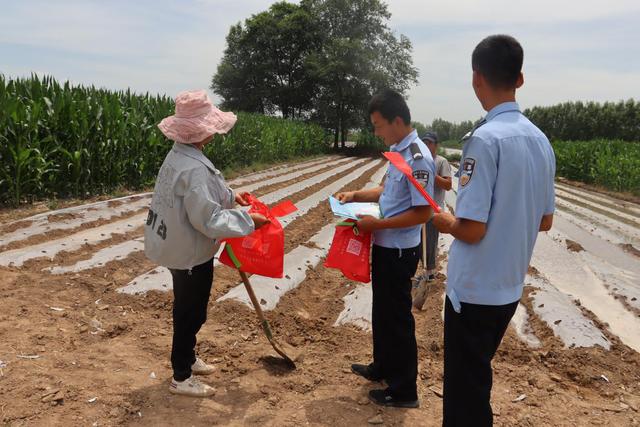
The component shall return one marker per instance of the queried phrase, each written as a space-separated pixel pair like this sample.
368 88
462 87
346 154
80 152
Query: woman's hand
241 199
258 220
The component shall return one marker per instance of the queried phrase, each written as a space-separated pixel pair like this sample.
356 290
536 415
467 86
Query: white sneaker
201 368
191 387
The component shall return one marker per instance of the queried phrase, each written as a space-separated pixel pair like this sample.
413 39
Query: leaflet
352 210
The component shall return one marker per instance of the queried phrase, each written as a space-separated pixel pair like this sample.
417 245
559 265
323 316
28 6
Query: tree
359 56
239 84
264 65
419 127
322 60
584 121
442 128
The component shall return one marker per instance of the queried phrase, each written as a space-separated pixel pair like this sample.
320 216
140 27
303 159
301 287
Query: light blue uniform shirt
400 194
506 181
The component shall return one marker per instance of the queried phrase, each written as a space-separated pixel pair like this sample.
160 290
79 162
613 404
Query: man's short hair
499 59
390 104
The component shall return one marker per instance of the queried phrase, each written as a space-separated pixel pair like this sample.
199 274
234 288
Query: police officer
395 253
192 210
505 197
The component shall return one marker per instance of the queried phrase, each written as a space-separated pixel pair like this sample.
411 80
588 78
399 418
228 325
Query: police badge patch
422 177
466 171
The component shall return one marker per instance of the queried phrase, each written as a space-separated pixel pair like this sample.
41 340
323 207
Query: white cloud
563 61
579 84
115 45
571 49
75 26
410 12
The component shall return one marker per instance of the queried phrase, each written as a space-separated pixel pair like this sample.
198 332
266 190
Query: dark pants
191 289
395 352
471 339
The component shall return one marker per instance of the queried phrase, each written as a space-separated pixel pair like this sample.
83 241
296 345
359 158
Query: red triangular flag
398 161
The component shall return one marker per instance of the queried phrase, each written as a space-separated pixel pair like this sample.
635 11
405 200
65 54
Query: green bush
62 140
368 143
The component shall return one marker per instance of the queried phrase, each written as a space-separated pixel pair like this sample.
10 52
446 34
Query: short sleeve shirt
443 169
399 194
506 180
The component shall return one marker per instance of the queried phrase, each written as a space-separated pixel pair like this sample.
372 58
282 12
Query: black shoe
365 371
385 398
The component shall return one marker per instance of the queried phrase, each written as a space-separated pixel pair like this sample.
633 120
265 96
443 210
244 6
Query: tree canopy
321 60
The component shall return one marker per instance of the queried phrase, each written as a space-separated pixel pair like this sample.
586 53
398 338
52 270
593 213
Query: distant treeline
569 121
580 121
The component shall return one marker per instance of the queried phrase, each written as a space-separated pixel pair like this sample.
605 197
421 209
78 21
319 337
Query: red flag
398 161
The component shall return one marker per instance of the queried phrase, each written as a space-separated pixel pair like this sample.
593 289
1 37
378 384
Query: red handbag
350 251
261 252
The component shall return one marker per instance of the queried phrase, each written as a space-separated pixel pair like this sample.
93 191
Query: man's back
506 181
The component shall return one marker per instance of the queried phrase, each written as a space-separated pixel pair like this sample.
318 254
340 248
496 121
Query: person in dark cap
442 184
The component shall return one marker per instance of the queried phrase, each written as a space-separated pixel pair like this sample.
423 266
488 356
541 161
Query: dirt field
77 350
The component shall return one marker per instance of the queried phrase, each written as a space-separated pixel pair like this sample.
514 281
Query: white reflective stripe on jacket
191 211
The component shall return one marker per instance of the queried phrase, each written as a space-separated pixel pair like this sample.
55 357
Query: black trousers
471 339
191 290
395 352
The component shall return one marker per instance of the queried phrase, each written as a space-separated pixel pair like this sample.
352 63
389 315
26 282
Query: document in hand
261 252
352 210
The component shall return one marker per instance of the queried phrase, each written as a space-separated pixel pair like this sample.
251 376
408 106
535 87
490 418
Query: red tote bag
261 252
350 251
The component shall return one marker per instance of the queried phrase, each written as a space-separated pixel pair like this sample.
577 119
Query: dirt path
76 352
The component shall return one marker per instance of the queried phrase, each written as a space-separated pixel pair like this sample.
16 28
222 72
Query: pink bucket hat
196 118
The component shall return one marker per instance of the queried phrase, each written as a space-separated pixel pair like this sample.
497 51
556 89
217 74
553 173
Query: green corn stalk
65 140
611 164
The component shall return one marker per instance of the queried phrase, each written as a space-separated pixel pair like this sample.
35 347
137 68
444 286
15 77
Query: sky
574 49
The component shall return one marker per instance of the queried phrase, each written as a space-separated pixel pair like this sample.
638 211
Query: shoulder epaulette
470 133
415 151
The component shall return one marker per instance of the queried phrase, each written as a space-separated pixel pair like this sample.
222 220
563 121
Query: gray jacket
191 211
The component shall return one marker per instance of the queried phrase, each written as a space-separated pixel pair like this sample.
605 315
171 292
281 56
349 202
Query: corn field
258 138
611 164
59 140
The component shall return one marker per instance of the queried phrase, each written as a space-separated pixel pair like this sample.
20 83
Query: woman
192 209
